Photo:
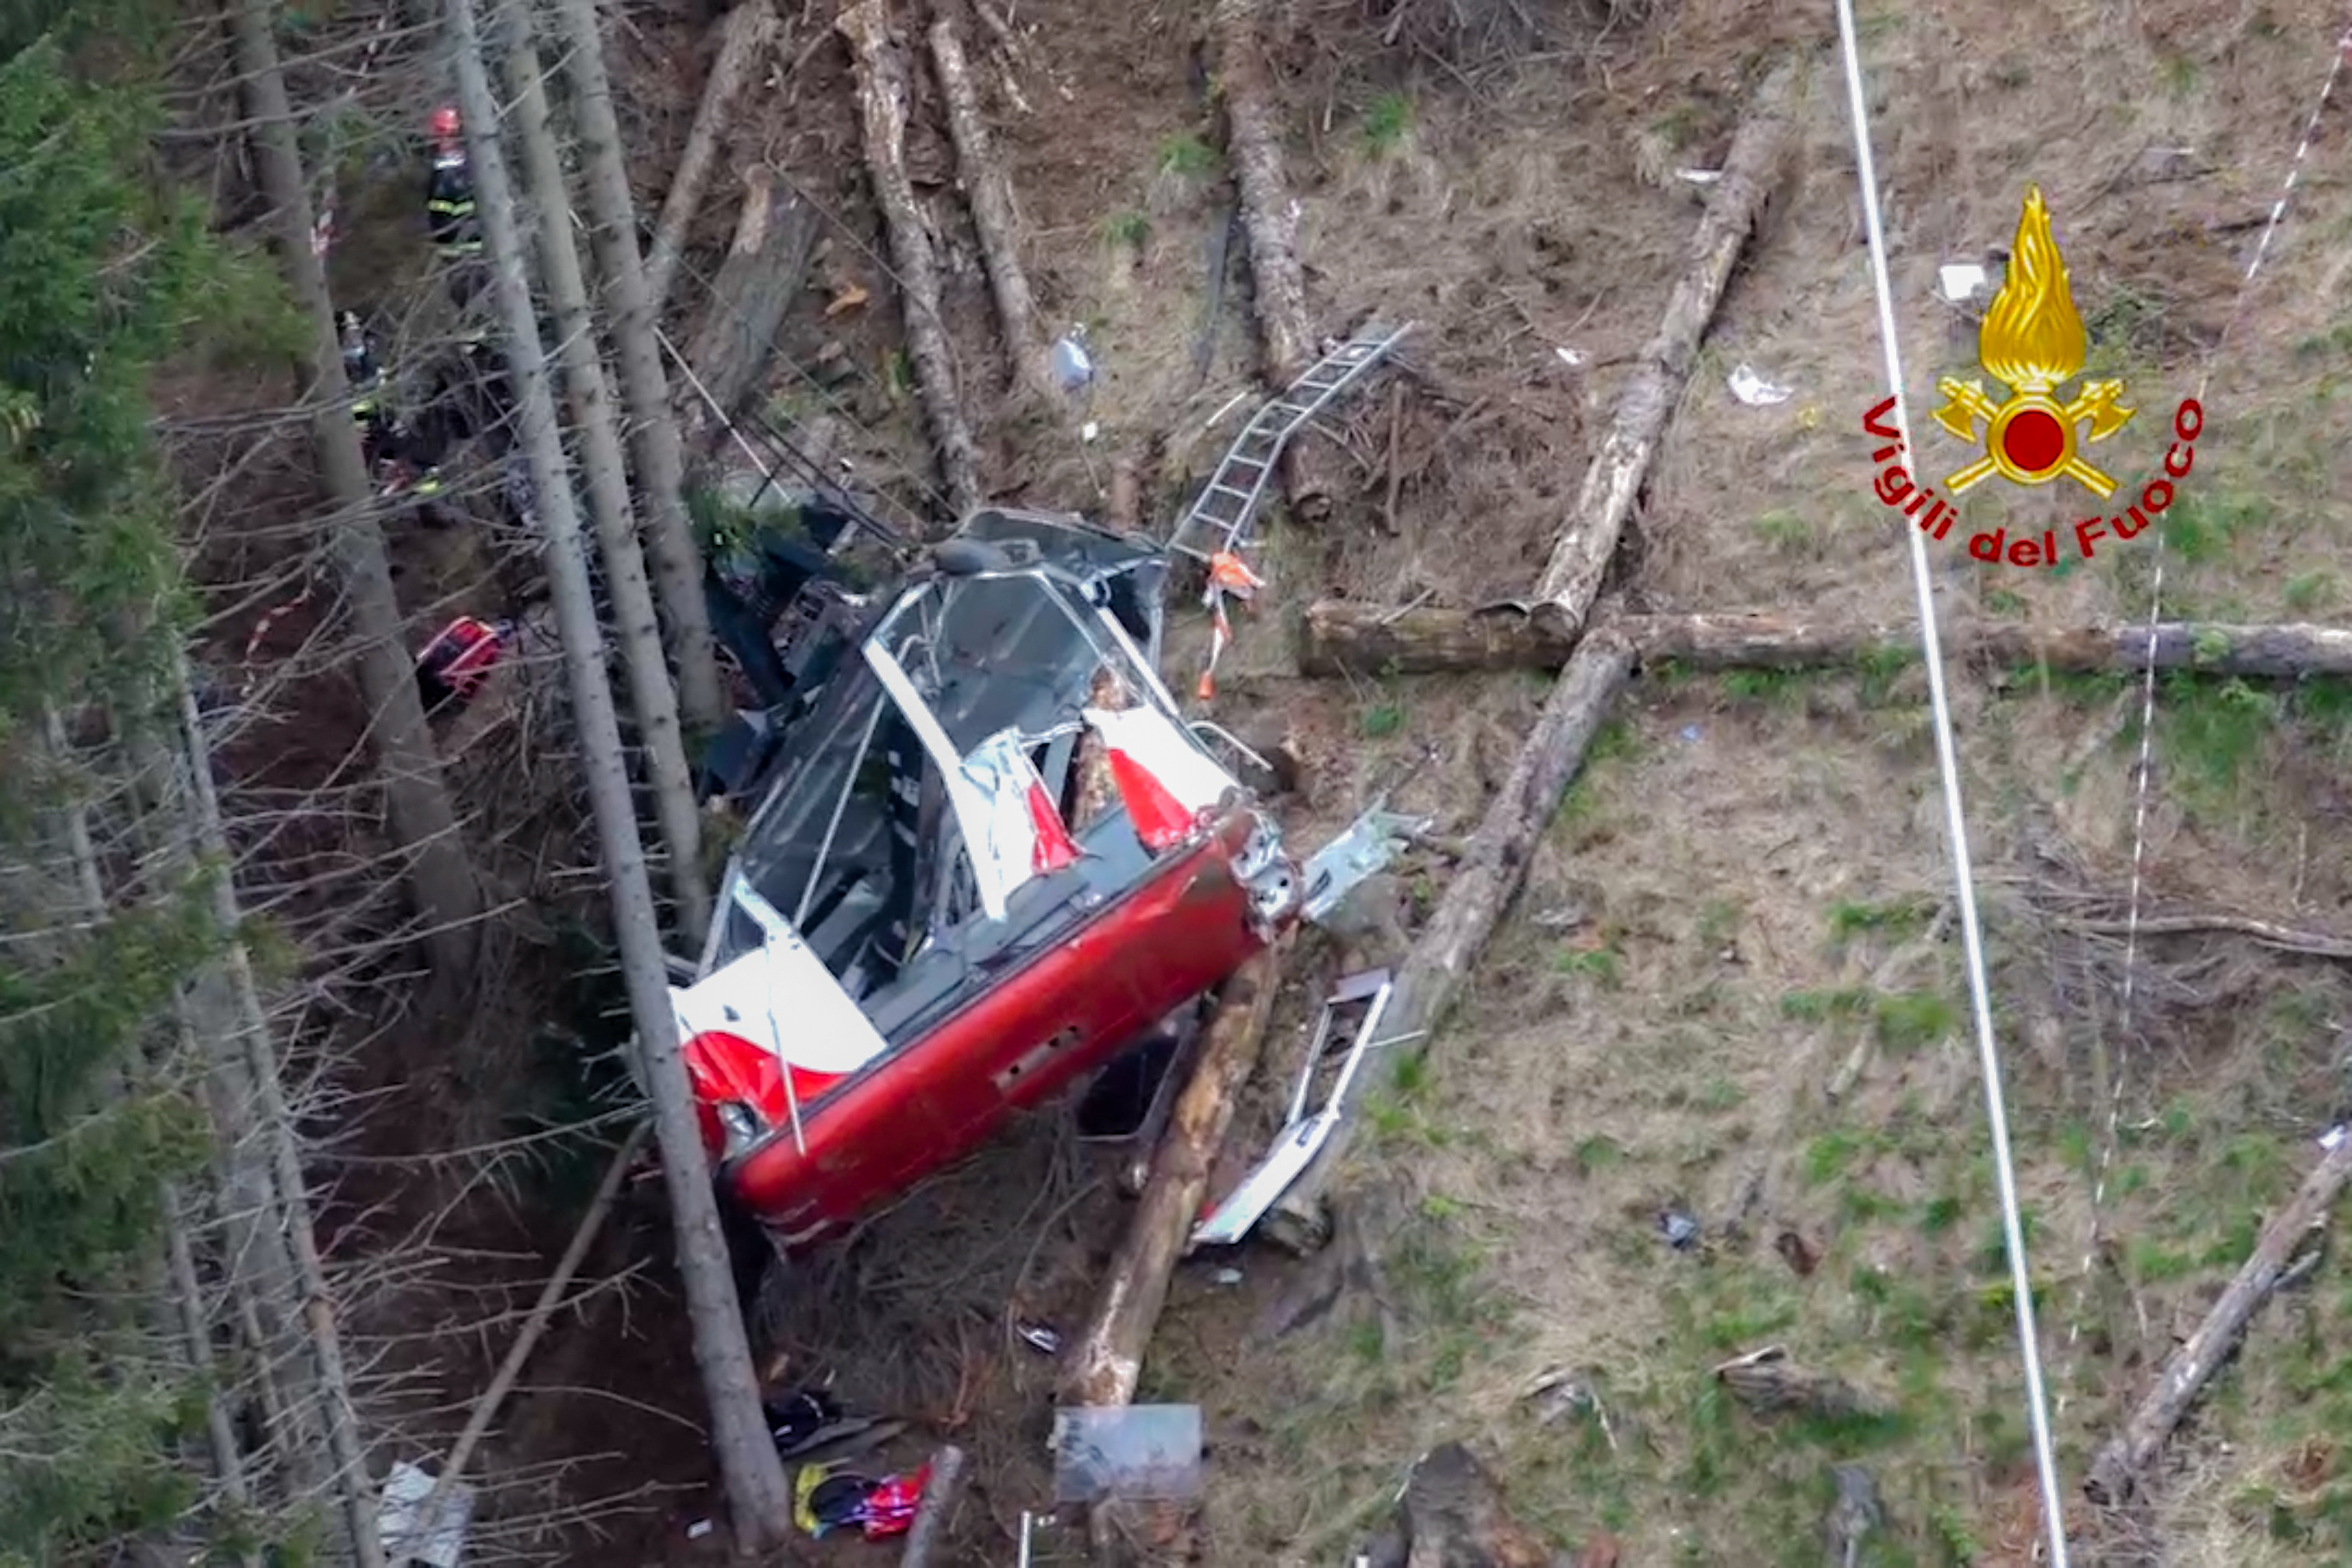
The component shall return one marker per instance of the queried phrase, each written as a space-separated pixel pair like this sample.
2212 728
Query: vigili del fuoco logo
2031 342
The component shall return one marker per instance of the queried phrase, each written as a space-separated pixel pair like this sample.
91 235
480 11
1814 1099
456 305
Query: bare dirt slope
1744 901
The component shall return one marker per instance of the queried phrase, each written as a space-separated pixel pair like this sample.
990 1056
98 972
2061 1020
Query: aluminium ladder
1219 521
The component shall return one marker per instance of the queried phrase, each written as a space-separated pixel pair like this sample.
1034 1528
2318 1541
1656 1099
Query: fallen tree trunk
1269 220
930 1530
988 193
774 238
1614 482
1340 635
2123 1463
1491 869
1108 1357
534 1324
883 92
746 36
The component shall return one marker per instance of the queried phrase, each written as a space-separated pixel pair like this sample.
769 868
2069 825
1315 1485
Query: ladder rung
1217 490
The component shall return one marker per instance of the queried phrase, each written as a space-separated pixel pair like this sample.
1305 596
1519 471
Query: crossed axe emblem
2032 438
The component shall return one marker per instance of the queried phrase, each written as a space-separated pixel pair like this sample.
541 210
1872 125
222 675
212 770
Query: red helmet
444 122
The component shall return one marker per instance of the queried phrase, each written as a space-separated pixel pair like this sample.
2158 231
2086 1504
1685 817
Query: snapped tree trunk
1311 473
884 90
774 236
756 1489
638 628
1341 635
1108 1357
1612 483
748 32
441 874
988 193
1491 869
645 388
2123 1464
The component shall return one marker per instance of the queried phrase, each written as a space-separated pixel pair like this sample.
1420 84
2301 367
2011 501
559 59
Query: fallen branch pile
1340 636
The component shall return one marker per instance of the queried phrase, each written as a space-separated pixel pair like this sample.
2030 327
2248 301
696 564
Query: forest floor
1745 896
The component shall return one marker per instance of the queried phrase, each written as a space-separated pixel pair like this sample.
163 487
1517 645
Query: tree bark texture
1340 635
928 1533
988 193
2123 1464
1108 1357
645 387
441 874
652 698
1454 1515
884 90
756 1488
1269 216
1491 869
745 38
1614 481
274 1130
774 238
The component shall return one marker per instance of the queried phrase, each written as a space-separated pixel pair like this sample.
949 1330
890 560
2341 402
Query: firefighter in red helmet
449 206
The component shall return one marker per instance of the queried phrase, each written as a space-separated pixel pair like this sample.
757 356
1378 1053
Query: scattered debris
1563 916
1960 280
1766 1381
1750 388
1798 1253
1680 1230
1302 1136
1557 1394
1691 734
1451 1512
1364 850
1699 177
698 1529
825 1500
1074 368
1855 1514
1040 1337
1575 359
1143 1453
1226 1277
849 298
422 1522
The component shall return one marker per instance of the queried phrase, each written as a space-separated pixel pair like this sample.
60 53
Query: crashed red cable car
988 854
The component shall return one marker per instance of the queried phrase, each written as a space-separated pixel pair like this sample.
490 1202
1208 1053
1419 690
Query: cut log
1340 635
1108 1357
2123 1464
1454 1515
1852 1517
747 35
883 93
774 238
988 193
926 1536
1735 204
1494 864
1269 218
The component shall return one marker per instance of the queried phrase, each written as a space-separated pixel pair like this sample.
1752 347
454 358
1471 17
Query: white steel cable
2021 1280
2146 763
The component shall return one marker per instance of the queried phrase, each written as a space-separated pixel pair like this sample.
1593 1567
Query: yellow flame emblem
2032 340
